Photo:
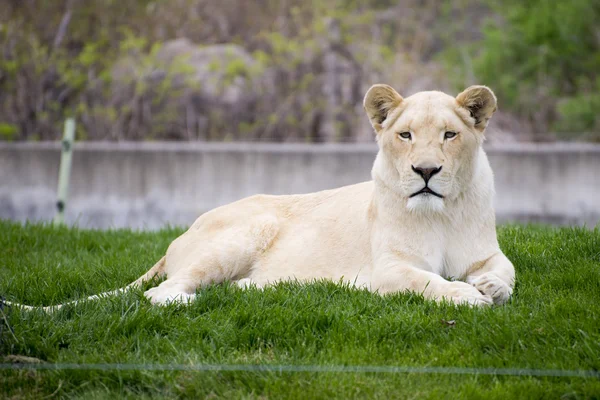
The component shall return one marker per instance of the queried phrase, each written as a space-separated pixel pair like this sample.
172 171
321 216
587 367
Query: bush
314 62
542 58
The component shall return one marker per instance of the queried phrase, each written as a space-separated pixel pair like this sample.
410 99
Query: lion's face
429 141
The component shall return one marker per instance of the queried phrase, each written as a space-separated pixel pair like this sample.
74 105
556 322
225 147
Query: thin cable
309 368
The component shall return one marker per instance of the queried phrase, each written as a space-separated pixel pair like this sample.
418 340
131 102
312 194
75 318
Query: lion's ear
480 101
379 101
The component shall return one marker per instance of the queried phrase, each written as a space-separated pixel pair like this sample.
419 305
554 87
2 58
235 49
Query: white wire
307 368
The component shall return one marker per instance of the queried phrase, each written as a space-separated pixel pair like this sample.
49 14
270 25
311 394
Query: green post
65 171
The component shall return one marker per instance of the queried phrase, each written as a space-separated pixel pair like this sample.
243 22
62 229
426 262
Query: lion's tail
157 270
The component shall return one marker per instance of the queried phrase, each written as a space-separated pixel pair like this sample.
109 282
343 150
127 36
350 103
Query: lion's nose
426 173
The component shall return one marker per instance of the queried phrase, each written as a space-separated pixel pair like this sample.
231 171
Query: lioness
426 216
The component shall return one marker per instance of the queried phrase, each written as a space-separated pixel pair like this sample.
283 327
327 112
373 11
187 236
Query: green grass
552 322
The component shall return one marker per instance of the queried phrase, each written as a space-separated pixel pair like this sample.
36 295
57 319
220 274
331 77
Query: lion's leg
401 277
494 277
206 270
202 257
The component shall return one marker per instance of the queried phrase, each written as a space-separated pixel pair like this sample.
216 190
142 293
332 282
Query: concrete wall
148 185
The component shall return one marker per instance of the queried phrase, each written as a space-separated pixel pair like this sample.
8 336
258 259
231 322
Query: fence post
65 171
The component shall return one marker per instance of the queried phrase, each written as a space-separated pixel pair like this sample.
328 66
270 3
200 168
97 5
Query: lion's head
429 142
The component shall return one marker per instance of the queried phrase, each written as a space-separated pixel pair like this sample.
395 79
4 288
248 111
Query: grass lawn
552 322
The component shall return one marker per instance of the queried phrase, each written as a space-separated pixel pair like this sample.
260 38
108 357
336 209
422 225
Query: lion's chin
425 203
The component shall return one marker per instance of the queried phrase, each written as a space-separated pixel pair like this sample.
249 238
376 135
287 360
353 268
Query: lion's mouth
426 191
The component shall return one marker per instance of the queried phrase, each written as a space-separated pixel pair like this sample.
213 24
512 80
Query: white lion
425 223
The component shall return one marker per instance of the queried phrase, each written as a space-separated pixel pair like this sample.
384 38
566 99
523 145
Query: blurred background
284 78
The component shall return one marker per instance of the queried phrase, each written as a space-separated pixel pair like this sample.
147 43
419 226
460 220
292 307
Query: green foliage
542 58
580 113
551 323
235 67
8 132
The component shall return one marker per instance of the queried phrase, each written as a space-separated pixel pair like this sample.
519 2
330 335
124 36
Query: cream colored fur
372 234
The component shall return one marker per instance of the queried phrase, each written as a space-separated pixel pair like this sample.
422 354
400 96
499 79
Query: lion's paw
463 293
247 283
491 285
162 296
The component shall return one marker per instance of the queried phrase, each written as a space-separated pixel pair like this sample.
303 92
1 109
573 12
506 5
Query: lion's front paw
463 293
489 284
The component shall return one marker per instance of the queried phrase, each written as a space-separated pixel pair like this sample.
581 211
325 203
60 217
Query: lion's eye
405 135
449 135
